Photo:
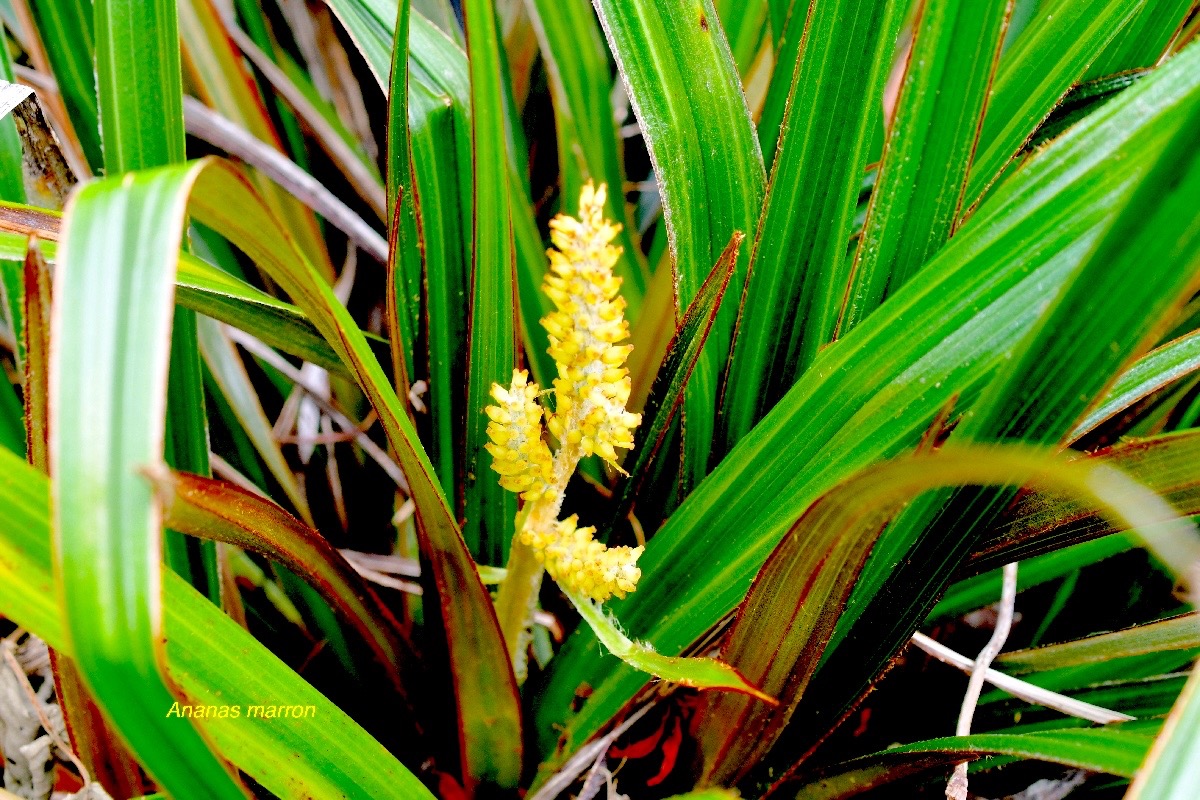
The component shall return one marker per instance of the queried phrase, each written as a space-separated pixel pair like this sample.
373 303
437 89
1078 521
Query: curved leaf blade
1050 55
785 625
951 325
1177 633
220 511
108 377
332 758
492 341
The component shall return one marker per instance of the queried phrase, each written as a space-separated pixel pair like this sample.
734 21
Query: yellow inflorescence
592 387
575 559
518 451
591 391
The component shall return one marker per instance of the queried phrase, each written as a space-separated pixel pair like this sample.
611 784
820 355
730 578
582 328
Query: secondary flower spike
591 391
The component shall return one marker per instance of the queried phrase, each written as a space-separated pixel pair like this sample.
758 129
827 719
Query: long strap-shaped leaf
404 269
942 335
786 620
800 269
1176 633
1172 768
1116 751
108 381
687 96
490 508
671 377
223 512
1116 303
220 198
1144 39
589 145
1027 528
929 147
1049 56
213 661
203 288
486 694
139 87
98 747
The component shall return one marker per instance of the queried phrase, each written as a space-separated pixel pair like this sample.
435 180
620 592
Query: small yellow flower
518 451
591 391
580 563
593 386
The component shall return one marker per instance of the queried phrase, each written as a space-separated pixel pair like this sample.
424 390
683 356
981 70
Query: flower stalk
586 330
592 387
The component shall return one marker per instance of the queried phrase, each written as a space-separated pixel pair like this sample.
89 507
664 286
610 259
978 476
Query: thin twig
380 570
373 450
1019 688
10 659
204 123
584 758
956 789
366 184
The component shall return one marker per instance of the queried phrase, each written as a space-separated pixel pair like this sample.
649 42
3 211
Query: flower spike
518 451
593 385
585 330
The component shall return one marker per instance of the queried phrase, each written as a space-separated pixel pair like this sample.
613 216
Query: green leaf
800 274
745 25
784 625
1116 750
111 337
140 92
1050 55
140 84
492 341
919 189
1140 697
1113 306
209 291
220 198
1032 526
1176 633
212 660
700 673
93 739
404 268
485 688
874 393
200 287
440 120
12 181
436 167
1153 372
1172 769
666 393
223 512
589 145
685 90
1144 38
